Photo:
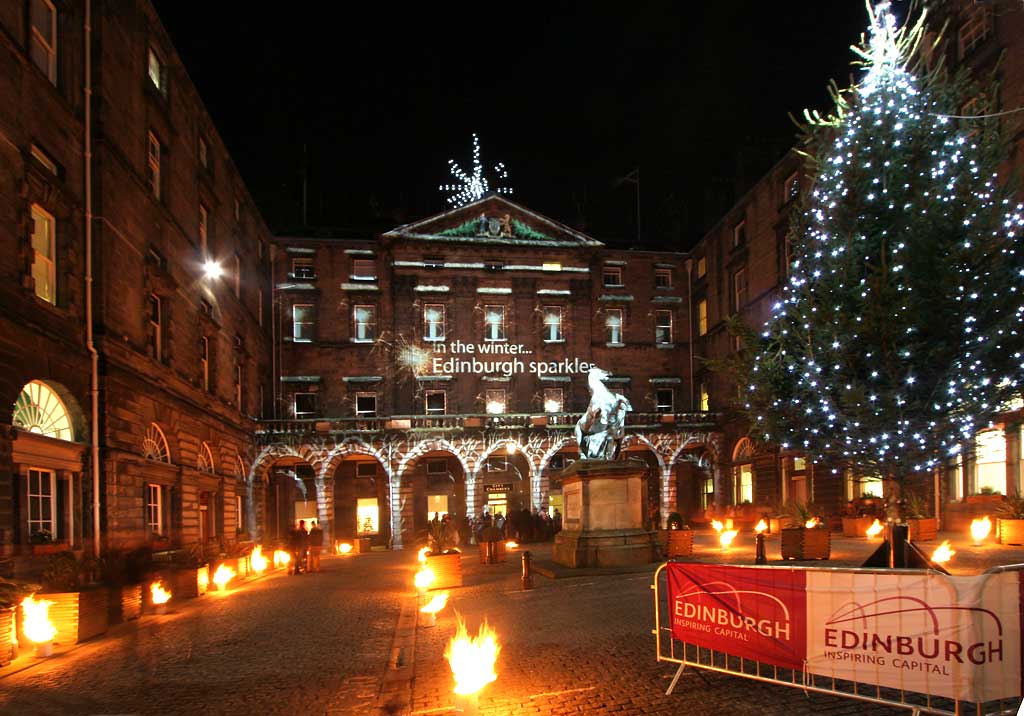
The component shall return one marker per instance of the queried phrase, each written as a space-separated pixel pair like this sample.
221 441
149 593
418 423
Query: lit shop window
365 318
494 323
437 505
433 322
744 476
553 323
613 325
367 516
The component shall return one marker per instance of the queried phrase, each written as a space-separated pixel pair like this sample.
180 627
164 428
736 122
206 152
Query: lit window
976 27
204 234
204 461
989 461
40 410
435 402
364 270
43 17
663 328
553 400
433 322
739 290
44 262
702 267
366 405
44 160
204 360
702 317
495 401
551 266
611 276
744 478
42 487
739 234
704 398
204 158
367 516
613 325
869 486
156 72
707 497
302 267
154 509
365 318
664 399
494 323
303 322
553 323
154 152
155 327
305 405
663 278
791 188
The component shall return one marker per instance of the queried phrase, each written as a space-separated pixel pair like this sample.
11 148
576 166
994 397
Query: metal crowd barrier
687 654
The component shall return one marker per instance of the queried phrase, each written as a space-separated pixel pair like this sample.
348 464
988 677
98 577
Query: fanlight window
154 445
240 471
39 410
204 463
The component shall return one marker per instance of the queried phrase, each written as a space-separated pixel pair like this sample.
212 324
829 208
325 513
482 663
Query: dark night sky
570 96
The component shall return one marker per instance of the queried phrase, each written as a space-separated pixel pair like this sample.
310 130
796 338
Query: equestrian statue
600 430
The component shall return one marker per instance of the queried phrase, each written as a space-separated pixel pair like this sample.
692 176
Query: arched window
204 463
154 445
239 466
743 471
40 410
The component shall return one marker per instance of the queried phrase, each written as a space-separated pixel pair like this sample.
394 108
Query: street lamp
212 269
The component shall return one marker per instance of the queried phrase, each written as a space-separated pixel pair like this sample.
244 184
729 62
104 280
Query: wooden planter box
775 525
856 526
131 601
8 635
49 548
186 582
1010 531
984 499
678 543
447 570
361 545
923 530
77 616
803 543
498 552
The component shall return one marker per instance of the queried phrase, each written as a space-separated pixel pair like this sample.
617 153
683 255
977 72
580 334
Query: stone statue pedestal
603 522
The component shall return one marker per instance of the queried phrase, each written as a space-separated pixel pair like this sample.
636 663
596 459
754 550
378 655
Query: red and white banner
958 637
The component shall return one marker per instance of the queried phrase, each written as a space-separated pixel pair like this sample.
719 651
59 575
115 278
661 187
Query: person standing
316 543
299 542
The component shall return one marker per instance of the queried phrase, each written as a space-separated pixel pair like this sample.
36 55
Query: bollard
759 542
527 571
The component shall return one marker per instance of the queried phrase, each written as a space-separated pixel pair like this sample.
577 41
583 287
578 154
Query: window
739 290
44 160
611 276
791 188
302 267
433 262
154 153
702 317
433 322
744 477
239 515
494 323
976 27
303 323
44 262
155 327
42 488
366 405
204 360
154 444
259 306
435 402
553 400
367 470
238 385
664 400
663 278
739 234
702 267
787 247
207 521
367 516
365 318
238 277
305 405
703 398
613 326
43 18
204 154
989 462
155 509
156 72
437 467
663 328
204 233
496 463
553 323
495 401
364 270
40 410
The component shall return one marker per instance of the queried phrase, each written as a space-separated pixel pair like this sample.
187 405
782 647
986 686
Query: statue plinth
603 506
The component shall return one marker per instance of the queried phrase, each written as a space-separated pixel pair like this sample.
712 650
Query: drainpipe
94 379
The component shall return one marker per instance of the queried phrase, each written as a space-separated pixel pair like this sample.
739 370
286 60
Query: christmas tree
898 335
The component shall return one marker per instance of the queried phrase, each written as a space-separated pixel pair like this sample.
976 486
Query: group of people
520 525
305 547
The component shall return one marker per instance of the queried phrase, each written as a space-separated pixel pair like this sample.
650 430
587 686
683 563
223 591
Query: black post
898 546
527 579
759 542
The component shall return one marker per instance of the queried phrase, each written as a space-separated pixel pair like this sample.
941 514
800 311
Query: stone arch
690 443
431 445
326 477
556 447
532 459
633 438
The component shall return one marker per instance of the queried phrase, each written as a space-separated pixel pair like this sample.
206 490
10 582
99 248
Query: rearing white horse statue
600 430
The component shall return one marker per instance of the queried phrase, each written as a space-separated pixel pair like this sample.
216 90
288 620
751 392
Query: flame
37 627
422 555
436 604
158 594
424 578
281 558
726 538
511 545
812 523
980 529
943 553
257 560
760 527
222 576
875 529
728 523
472 658
343 548
717 526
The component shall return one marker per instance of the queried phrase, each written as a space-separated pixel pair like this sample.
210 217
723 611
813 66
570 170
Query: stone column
1013 457
539 490
325 500
472 508
669 496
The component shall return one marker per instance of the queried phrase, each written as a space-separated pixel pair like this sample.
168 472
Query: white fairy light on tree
471 187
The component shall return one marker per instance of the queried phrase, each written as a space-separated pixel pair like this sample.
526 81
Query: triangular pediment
493 220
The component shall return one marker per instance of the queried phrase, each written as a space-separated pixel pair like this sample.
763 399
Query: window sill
301 340
434 340
363 341
615 345
665 346
495 340
554 340
613 285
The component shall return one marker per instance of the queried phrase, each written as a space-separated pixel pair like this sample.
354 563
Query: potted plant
806 537
79 611
1010 525
917 511
443 559
678 538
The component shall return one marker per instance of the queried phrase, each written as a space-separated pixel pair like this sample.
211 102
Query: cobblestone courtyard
325 644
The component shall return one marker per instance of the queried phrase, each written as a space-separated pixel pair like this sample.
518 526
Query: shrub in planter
800 541
77 613
675 521
443 559
1011 521
918 514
